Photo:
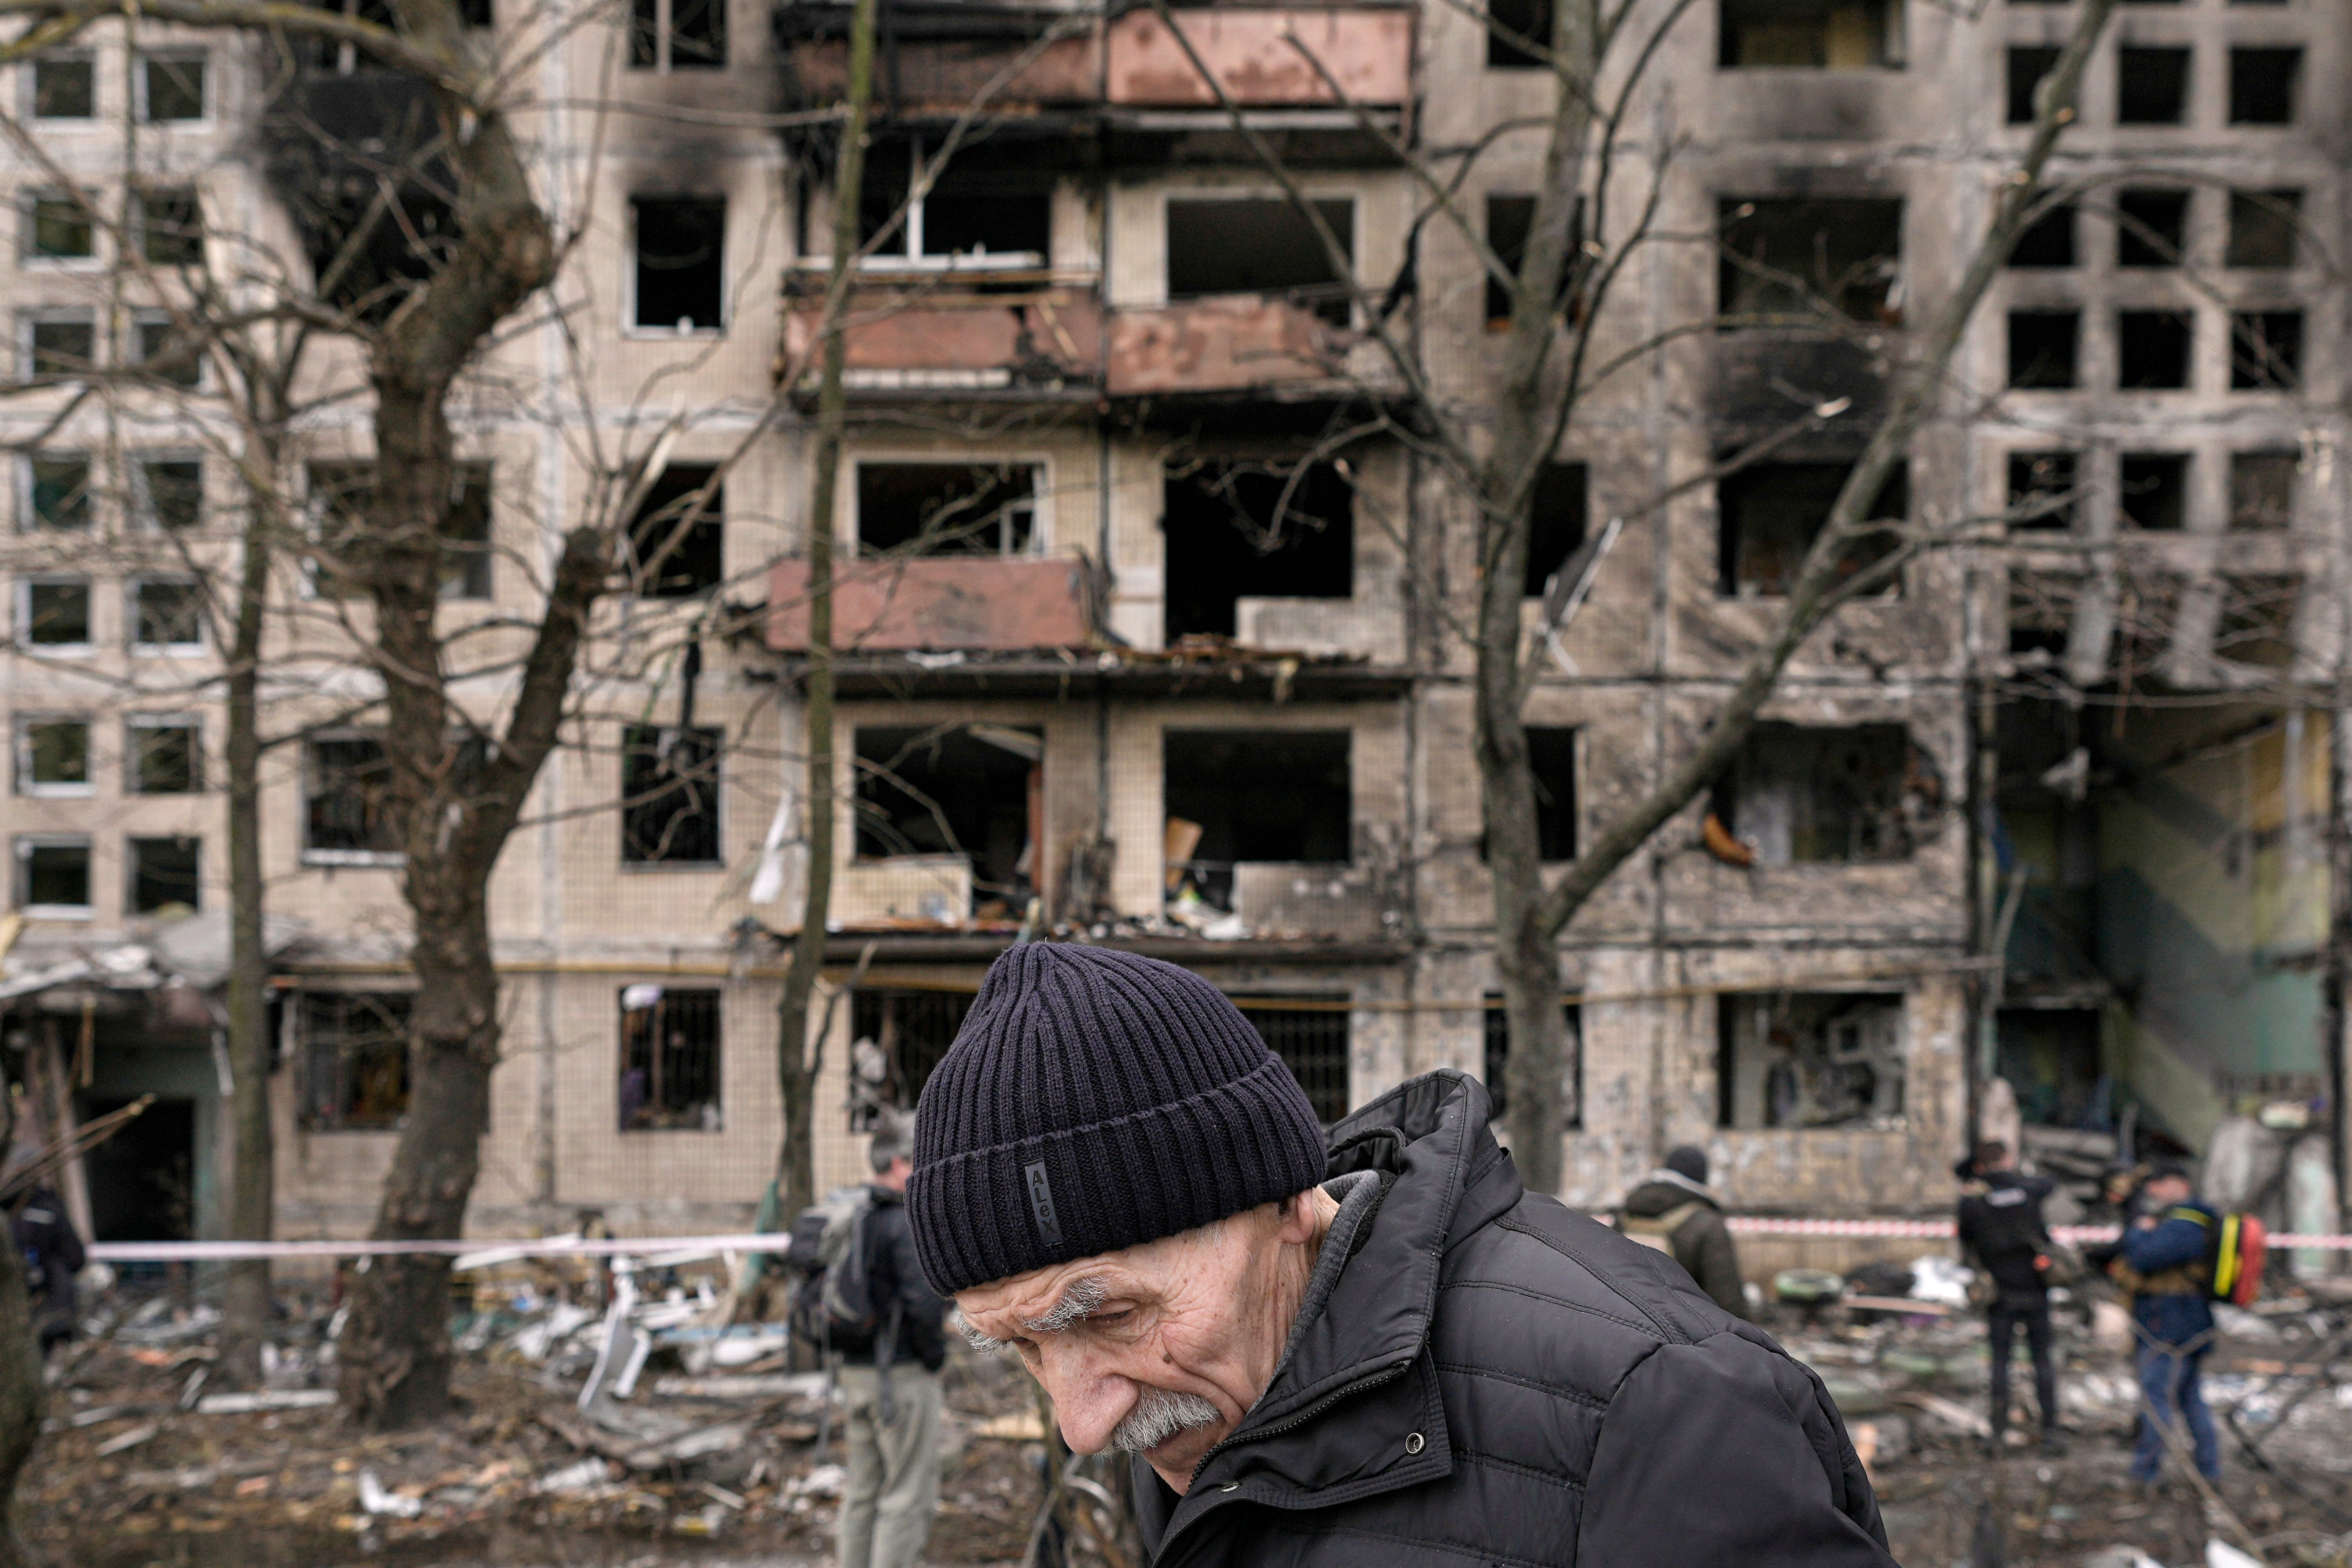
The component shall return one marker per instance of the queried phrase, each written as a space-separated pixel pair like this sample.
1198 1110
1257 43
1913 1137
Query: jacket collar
1695 1188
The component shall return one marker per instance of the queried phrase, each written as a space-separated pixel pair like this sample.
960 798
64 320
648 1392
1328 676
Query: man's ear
1295 1219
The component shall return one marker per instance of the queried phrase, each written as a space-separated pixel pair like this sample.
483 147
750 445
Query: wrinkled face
1159 1349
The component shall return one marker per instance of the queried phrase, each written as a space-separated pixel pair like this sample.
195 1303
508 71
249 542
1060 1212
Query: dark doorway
142 1179
2051 1058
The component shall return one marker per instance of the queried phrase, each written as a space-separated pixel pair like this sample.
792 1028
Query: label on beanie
1040 1203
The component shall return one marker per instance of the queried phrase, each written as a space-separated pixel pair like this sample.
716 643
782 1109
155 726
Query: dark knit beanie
1688 1162
1096 1100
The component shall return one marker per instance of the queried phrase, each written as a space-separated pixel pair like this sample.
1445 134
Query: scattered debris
123 1441
268 1399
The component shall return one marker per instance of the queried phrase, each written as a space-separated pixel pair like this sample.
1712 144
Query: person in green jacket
1677 1213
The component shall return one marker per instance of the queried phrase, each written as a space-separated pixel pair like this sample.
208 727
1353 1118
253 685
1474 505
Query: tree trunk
24 1397
799 1059
245 1293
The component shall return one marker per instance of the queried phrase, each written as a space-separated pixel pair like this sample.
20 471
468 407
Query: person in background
1676 1212
2162 1259
891 1384
2002 1229
53 1255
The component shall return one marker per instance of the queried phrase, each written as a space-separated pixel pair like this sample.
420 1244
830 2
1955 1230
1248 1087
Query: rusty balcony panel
937 603
921 338
949 75
1225 342
1367 50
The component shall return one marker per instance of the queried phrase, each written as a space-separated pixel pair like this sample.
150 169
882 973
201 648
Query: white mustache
1159 1416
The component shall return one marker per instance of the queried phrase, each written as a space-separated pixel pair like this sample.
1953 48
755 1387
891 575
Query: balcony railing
975 603
940 334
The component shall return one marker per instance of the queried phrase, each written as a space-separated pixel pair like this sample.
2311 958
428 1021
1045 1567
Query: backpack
1658 1230
834 1301
2234 1259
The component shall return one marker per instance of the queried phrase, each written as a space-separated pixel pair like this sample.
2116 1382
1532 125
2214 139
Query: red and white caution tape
1942 1230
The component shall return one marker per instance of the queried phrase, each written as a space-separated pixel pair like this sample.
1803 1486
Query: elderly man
1390 1353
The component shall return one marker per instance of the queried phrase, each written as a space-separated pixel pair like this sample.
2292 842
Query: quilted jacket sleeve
1723 1452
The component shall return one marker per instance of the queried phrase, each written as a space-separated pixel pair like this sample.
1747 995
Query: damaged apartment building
1150 605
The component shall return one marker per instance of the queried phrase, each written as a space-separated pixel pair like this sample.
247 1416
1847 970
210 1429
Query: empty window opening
2151 86
2256 626
1551 757
975 790
1556 525
1786 257
54 612
166 875
1510 219
1802 795
2044 349
64 86
947 509
2266 350
58 229
338 496
2041 609
897 1038
161 349
2048 241
1769 513
2152 349
348 808
2153 493
669 1059
2263 85
669 795
677 540
60 346
1254 245
2261 489
1513 24
1495 1060
1832 34
2042 490
1237 796
172 86
167 613
53 874
57 492
355 1059
2151 227
2026 66
166 755
53 757
677 35
682 262
2264 226
1242 530
1810 1058
2051 1058
1312 1040
996 217
168 493
171 227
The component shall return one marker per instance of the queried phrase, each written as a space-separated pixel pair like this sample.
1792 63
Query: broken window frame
2183 107
86 59
28 753
2145 244
28 325
671 814
1494 1058
1869 291
2127 333
2064 478
2290 93
39 509
1890 830
1505 54
722 299
142 876
1285 527
2027 373
652 27
1330 300
1014 521
148 513
138 739
26 626
2242 508
1212 879
890 1076
879 753
353 788
1310 1033
1843 1006
2172 494
688 559
684 1090
1883 27
2266 350
1731 550
906 249
1553 535
2281 207
27 846
192 619
361 1031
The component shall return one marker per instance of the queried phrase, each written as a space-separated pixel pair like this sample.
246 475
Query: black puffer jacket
1494 1379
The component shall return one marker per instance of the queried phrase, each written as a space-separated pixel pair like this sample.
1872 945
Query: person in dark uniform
2001 1226
53 1255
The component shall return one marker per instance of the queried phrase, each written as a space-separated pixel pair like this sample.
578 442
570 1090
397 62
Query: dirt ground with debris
712 1457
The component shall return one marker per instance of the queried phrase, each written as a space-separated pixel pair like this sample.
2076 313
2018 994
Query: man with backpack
2002 1228
2164 1260
1675 1212
888 1327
